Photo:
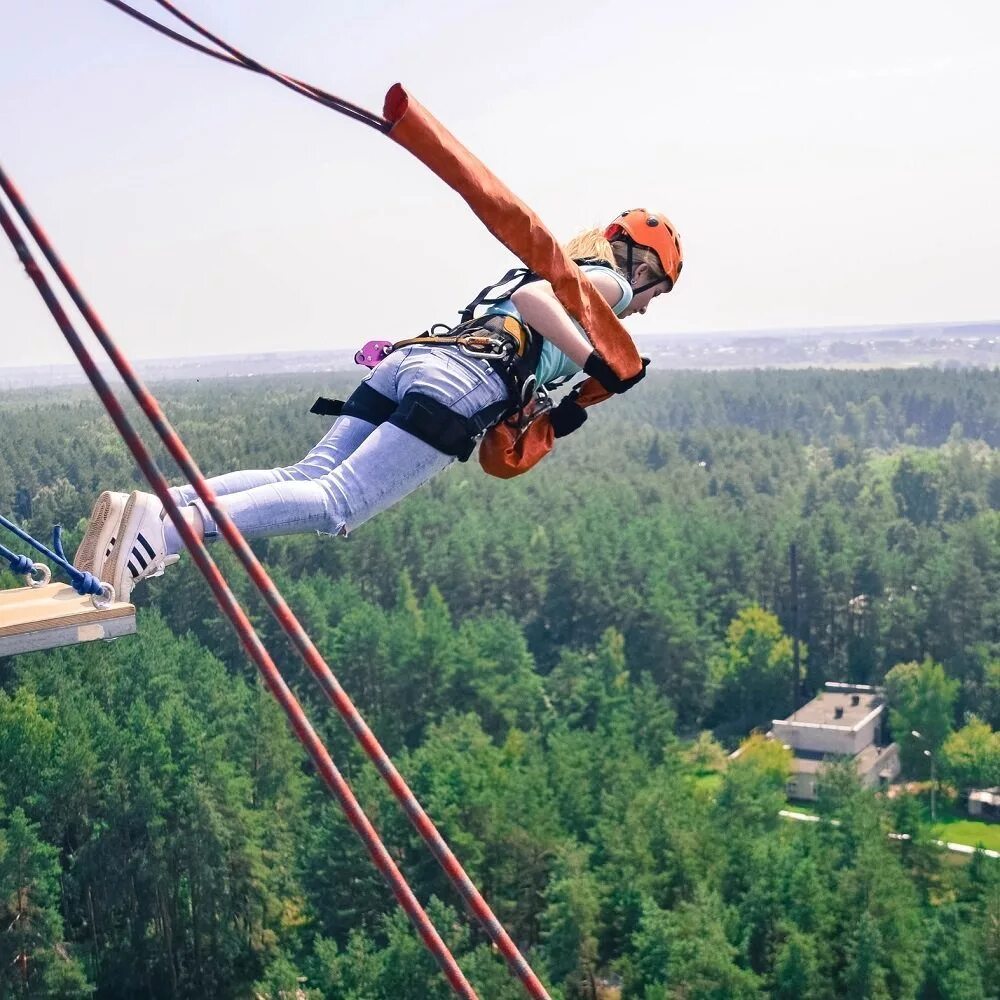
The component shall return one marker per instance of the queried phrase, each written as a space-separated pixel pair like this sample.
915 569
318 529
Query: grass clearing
809 808
955 826
958 830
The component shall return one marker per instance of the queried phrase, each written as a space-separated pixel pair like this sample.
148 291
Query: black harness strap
365 403
522 276
326 407
431 421
485 298
423 416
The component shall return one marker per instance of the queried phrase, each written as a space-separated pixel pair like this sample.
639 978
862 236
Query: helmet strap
630 244
650 284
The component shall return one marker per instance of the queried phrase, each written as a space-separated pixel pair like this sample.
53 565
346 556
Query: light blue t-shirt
552 363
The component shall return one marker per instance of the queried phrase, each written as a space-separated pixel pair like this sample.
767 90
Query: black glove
567 417
599 369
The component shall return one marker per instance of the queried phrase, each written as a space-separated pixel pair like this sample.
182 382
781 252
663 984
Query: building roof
822 710
811 762
988 796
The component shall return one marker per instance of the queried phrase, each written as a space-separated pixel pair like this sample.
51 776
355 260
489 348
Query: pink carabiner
373 352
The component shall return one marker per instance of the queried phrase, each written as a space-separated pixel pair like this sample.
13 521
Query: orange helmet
652 230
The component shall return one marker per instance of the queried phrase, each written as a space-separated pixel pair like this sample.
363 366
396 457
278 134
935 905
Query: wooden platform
56 615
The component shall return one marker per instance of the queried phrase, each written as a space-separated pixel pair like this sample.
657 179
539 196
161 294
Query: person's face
643 275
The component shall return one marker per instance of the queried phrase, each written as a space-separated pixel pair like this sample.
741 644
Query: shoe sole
116 568
100 533
119 577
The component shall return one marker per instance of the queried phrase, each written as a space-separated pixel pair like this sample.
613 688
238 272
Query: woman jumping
425 404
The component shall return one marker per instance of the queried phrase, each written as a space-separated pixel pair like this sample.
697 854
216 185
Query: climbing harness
502 341
495 336
509 345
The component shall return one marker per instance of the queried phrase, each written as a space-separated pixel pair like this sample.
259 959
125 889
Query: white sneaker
100 536
139 551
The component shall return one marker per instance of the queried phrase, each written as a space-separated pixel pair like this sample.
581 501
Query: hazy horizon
790 332
935 345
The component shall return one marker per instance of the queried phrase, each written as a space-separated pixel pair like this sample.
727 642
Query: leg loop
432 422
368 404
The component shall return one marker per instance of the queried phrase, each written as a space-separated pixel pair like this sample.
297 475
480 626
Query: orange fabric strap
513 223
508 451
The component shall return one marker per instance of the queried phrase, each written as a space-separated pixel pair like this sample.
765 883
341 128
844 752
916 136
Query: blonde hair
592 244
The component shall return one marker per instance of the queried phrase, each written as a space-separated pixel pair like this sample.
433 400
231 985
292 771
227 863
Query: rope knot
22 565
86 584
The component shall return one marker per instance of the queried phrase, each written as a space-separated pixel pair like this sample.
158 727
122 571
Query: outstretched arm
541 310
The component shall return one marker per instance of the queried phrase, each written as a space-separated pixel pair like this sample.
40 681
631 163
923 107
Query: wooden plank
34 618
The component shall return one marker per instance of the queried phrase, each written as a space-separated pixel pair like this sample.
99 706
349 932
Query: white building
843 720
985 802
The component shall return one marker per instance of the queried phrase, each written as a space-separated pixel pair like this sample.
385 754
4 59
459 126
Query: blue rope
20 565
85 584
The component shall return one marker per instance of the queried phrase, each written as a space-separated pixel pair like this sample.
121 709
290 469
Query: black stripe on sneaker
149 548
137 556
133 572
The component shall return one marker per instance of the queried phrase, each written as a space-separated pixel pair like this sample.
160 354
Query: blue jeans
358 469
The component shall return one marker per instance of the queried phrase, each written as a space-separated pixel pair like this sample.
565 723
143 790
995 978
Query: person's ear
641 274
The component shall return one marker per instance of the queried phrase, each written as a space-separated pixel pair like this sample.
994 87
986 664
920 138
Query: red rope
237 58
290 624
224 596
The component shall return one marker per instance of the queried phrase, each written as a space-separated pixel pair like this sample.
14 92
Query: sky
827 164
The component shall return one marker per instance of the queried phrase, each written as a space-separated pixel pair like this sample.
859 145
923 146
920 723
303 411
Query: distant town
943 345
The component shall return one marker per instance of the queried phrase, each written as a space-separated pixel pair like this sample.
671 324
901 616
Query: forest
559 665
